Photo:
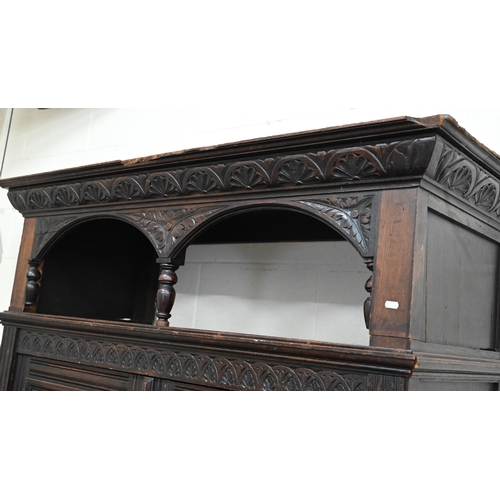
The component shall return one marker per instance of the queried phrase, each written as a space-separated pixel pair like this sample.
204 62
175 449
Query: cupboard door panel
39 374
172 385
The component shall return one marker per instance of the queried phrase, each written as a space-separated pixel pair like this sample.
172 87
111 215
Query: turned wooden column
367 306
165 296
32 286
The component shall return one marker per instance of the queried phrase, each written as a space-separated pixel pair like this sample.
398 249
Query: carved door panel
39 374
172 385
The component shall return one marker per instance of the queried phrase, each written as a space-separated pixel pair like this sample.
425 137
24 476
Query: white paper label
391 304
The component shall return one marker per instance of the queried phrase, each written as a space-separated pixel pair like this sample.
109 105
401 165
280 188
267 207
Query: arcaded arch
249 288
101 282
349 218
102 268
51 229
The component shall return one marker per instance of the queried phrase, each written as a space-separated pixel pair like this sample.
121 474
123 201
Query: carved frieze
194 367
466 179
247 175
343 165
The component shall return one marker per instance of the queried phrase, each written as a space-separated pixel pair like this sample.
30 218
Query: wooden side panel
393 269
461 285
64 348
17 300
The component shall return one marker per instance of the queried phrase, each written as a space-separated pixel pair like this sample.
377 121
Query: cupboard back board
417 199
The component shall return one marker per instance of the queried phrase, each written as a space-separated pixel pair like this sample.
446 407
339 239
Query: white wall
300 290
312 292
11 225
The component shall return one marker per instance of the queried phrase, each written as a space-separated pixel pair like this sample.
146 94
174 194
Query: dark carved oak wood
418 199
235 362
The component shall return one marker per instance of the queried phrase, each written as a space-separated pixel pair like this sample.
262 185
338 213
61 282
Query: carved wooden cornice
396 149
350 165
339 158
467 179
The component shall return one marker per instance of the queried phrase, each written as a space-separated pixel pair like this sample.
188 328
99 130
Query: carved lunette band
353 164
200 367
468 180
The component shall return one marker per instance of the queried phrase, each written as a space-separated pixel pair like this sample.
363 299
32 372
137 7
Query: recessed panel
102 269
461 285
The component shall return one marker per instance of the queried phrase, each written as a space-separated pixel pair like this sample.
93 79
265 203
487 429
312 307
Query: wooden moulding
362 355
204 357
390 150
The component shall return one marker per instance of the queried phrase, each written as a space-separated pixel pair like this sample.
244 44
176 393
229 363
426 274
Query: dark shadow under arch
101 269
55 230
268 226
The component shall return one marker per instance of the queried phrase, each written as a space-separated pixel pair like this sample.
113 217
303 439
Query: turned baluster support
165 296
368 287
32 286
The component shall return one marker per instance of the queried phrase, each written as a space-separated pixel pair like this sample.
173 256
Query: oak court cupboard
416 200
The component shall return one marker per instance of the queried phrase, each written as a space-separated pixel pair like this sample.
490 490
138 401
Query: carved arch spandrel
192 366
170 231
350 216
50 229
175 229
168 228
